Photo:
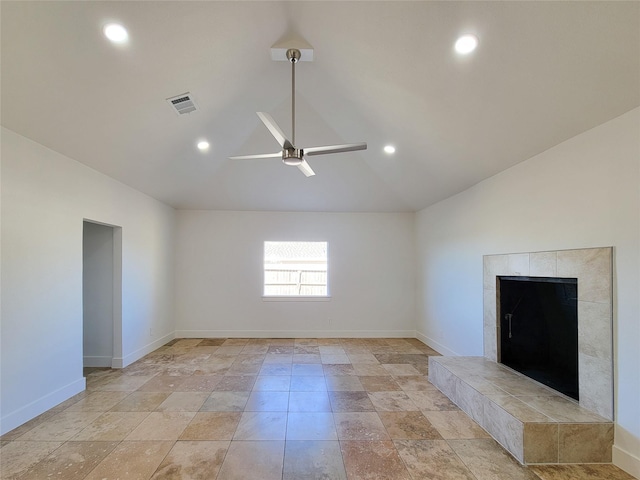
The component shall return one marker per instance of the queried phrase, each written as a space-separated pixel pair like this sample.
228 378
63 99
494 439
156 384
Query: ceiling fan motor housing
292 156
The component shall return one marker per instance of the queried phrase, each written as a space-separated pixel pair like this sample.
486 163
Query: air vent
183 103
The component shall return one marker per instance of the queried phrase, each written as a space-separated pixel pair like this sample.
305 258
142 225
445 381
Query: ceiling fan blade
306 169
348 147
259 155
275 130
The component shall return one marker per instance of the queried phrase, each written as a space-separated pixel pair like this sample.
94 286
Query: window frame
292 297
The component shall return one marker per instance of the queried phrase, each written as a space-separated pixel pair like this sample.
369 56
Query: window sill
296 298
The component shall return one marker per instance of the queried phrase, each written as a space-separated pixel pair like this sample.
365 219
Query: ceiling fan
290 154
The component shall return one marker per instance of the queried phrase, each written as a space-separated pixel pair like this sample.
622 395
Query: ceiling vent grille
183 103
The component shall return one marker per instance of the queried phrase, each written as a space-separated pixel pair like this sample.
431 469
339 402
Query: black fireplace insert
539 329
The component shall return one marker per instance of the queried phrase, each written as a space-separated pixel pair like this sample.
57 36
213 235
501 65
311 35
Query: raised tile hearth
534 423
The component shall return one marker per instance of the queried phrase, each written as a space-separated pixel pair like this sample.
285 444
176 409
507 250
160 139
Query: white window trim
296 298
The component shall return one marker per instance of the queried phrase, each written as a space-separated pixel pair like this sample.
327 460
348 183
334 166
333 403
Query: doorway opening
101 295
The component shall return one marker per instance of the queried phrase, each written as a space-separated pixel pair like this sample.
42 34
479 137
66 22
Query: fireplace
593 269
539 329
534 423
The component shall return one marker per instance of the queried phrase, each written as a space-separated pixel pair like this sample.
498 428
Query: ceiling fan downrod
293 55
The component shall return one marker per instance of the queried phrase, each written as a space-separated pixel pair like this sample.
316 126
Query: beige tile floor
268 409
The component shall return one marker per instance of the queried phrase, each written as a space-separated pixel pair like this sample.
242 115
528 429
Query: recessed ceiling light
203 145
466 44
390 149
116 33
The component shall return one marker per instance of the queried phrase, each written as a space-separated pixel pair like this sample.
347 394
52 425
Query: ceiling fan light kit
292 155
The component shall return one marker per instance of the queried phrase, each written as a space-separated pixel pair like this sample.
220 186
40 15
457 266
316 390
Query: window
295 269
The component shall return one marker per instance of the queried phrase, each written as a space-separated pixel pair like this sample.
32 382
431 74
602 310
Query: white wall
97 294
582 193
219 274
45 197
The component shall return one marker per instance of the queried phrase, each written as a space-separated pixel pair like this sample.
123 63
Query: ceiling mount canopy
293 55
290 154
291 41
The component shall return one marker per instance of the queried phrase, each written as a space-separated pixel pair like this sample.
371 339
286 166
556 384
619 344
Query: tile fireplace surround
537 424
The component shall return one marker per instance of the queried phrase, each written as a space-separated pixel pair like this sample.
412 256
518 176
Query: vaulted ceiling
383 73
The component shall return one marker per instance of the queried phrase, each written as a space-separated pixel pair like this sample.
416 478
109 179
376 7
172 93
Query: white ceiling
384 72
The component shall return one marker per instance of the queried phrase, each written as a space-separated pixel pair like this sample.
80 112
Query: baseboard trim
438 347
41 405
626 461
97 361
121 362
295 333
